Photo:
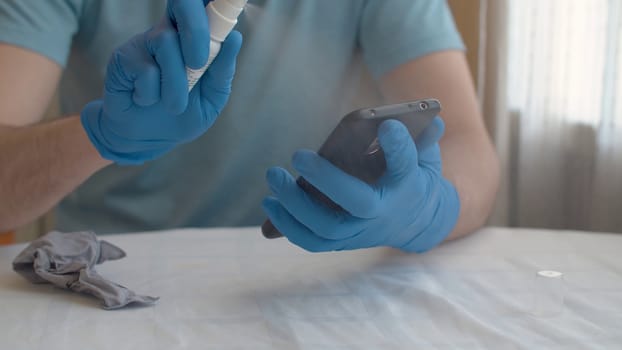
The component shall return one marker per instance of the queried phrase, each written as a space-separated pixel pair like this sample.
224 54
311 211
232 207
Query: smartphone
354 148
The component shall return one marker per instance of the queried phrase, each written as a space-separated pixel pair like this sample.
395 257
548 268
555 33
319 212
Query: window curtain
551 96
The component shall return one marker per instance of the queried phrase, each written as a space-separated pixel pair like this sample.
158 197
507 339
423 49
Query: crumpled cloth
68 260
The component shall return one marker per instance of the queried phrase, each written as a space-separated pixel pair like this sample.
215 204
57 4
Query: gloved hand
411 207
146 108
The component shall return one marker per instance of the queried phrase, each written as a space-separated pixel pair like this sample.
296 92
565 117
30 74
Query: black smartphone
354 148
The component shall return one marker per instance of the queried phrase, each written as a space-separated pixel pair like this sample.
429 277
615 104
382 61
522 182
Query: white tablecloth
232 289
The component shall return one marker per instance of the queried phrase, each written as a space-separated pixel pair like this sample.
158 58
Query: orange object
7 238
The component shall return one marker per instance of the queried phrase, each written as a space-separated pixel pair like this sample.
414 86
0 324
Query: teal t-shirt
297 74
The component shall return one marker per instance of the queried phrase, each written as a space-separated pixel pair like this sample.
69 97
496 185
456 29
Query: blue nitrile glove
146 110
411 207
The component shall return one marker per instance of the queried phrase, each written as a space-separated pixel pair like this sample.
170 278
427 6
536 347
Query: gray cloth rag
68 260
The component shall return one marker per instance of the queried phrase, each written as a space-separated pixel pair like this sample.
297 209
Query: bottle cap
223 16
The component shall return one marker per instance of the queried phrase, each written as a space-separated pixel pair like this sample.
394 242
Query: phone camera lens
423 106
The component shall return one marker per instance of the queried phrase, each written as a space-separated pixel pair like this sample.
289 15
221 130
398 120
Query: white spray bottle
222 16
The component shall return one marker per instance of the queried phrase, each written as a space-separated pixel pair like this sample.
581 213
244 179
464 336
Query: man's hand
146 110
412 207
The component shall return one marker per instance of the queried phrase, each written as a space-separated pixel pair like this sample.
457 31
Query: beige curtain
492 54
552 81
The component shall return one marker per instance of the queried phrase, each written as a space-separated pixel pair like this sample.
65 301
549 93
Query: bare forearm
472 166
40 164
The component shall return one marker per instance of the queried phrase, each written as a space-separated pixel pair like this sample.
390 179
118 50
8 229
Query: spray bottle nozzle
222 16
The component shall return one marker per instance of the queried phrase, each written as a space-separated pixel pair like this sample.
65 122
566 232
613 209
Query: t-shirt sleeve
393 32
43 26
